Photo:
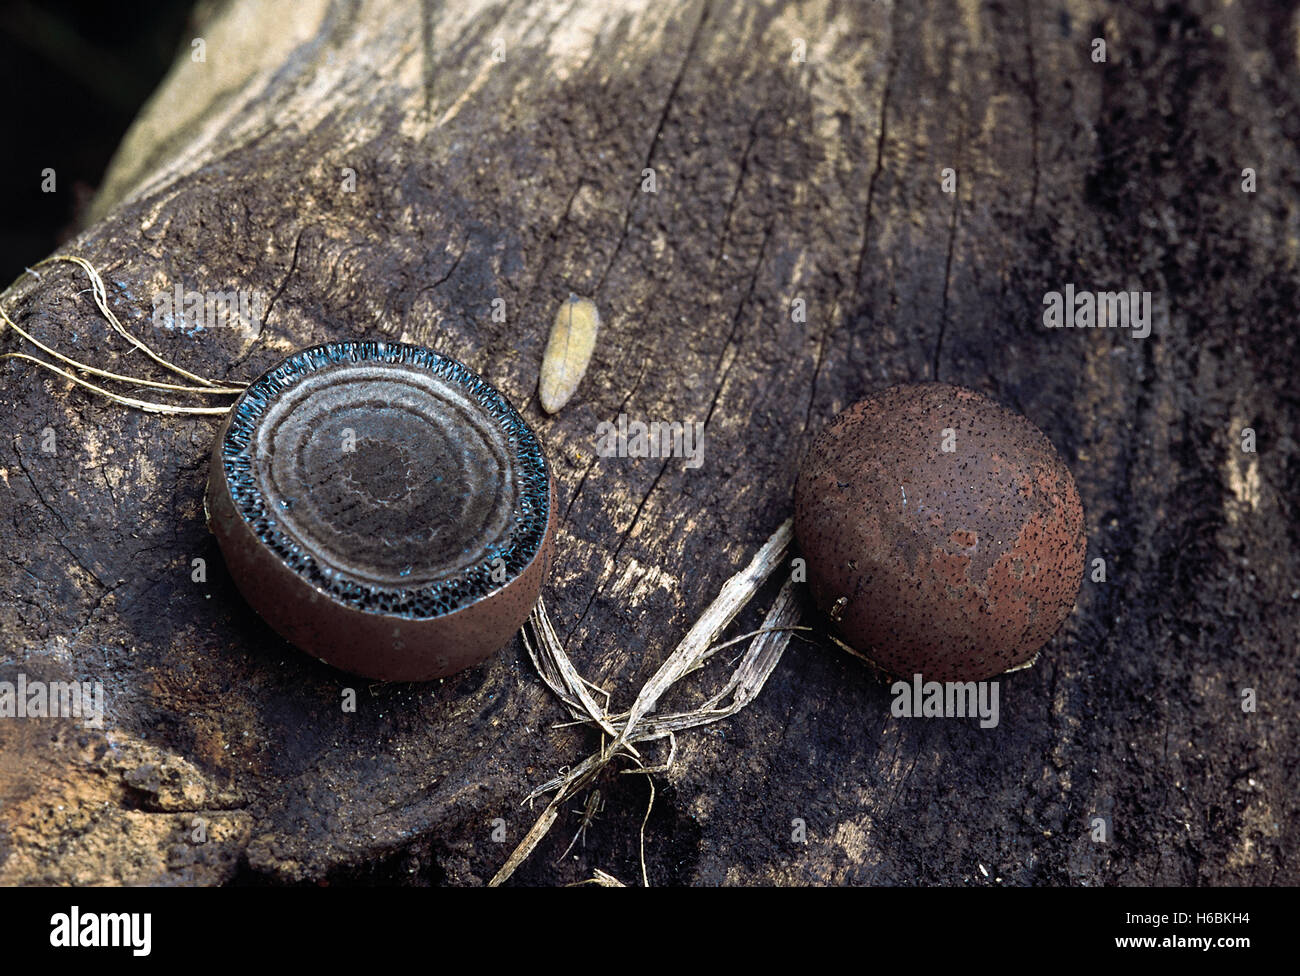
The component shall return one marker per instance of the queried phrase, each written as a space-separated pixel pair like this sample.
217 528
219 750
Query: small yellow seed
568 351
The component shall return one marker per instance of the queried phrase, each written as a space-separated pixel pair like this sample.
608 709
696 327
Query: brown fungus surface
954 564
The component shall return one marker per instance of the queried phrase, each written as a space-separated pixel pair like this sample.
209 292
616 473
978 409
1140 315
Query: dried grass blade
735 593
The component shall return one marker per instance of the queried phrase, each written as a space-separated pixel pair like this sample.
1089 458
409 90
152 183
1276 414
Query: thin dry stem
599 879
101 299
639 724
119 377
205 386
144 405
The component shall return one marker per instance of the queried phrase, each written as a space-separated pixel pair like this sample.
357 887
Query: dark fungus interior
358 479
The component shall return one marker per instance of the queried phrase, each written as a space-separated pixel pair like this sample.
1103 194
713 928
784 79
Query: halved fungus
943 532
383 508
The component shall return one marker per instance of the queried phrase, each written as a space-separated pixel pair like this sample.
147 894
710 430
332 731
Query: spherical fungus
943 533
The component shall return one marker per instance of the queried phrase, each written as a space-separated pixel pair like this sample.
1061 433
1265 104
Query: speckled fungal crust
953 565
383 508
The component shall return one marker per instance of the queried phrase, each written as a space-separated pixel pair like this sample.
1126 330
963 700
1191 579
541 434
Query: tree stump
403 171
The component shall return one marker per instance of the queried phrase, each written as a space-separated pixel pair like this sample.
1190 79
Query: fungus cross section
388 475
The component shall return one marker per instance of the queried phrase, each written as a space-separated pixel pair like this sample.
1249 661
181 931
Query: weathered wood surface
520 180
